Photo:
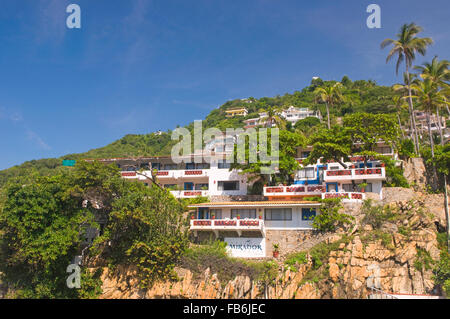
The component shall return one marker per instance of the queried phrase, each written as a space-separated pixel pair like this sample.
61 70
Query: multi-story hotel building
203 174
282 216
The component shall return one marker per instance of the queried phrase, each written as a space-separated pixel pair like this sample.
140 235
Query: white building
199 175
245 225
291 114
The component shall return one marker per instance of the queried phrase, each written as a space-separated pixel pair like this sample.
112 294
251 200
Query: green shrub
214 256
296 259
329 217
442 272
375 215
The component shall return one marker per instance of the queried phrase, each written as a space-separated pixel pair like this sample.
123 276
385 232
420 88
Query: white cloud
33 136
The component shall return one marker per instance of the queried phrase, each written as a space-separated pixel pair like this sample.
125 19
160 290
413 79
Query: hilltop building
291 114
241 111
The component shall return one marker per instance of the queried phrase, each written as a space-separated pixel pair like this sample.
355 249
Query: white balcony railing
345 196
190 193
234 224
294 190
182 173
354 174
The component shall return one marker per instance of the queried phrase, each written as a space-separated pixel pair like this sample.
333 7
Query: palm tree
404 92
399 104
438 72
405 47
429 97
330 95
274 118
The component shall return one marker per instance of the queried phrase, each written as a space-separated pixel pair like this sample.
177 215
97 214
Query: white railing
345 196
294 190
161 174
379 294
190 193
354 174
246 224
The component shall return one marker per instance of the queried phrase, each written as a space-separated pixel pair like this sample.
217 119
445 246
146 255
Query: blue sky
138 66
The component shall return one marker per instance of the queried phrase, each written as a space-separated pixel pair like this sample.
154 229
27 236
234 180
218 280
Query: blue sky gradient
138 66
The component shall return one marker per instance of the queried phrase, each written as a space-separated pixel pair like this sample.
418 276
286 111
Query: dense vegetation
44 221
361 96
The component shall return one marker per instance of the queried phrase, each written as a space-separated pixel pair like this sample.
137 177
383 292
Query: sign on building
246 247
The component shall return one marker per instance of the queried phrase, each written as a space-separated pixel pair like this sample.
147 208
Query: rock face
395 257
415 172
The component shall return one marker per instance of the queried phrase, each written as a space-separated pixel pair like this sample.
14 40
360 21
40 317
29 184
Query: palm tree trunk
447 217
411 109
430 134
328 115
400 125
439 124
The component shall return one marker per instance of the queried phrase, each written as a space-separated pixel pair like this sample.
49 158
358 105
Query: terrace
376 173
234 224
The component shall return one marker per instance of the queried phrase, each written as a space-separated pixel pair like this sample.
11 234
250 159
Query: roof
256 203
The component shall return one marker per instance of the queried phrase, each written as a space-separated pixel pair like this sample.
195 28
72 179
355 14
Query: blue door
332 187
188 186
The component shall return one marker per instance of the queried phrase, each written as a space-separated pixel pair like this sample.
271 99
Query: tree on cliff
405 48
367 130
44 222
253 163
329 144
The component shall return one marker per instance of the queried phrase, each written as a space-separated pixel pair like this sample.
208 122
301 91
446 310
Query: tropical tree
429 98
284 166
405 48
274 119
367 130
330 95
399 105
438 73
329 145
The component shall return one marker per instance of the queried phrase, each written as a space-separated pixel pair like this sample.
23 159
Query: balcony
294 190
190 193
345 196
376 173
238 225
162 174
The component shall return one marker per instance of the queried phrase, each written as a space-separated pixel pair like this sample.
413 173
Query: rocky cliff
394 251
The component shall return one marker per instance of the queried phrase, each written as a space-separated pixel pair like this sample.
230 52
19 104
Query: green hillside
360 96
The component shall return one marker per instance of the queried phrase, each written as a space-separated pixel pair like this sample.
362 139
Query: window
306 173
228 186
202 166
305 154
170 186
243 213
156 165
216 212
368 188
170 166
278 214
308 213
201 186
348 187
223 164
190 165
